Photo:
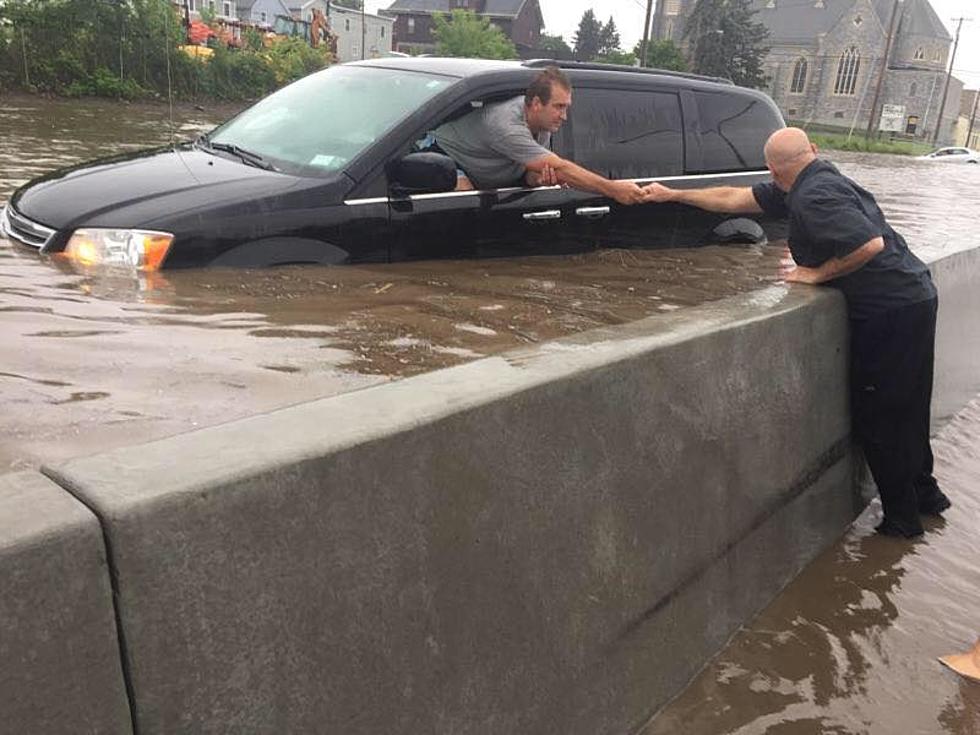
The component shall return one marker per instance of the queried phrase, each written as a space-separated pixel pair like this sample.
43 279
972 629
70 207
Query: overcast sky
562 17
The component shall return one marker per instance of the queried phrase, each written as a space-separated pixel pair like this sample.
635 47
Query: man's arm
733 199
837 267
566 172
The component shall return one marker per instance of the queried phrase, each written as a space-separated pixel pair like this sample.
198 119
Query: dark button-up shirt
830 216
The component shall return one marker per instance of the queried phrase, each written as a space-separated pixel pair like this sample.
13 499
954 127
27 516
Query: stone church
825 60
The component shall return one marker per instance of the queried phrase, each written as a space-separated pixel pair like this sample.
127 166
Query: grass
857 142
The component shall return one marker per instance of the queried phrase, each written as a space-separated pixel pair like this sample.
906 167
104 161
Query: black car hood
133 189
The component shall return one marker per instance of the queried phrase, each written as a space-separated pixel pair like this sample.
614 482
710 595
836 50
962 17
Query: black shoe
899 530
935 504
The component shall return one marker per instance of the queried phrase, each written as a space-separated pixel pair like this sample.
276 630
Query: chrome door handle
549 214
592 212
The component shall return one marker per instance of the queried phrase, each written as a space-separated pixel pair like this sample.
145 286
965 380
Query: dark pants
891 392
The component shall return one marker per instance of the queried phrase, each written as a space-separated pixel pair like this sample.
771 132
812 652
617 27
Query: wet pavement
92 361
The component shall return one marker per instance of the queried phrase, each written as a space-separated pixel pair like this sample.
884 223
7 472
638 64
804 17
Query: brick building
825 61
520 20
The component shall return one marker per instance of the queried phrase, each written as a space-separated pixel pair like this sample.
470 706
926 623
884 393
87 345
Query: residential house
968 126
825 61
345 23
262 12
520 20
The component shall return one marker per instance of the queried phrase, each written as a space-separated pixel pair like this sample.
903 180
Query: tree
588 37
556 45
463 33
624 58
663 55
609 38
726 41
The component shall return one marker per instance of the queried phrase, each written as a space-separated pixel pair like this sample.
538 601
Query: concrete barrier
957 333
548 542
59 658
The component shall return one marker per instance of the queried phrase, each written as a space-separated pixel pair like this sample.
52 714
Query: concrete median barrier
59 657
957 381
553 541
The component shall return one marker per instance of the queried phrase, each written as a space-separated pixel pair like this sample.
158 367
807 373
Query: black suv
326 171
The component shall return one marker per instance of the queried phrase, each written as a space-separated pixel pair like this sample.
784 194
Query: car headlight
141 249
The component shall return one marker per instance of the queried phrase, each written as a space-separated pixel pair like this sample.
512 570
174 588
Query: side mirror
422 173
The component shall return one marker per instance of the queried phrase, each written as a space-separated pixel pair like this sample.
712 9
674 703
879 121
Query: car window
323 121
733 129
626 134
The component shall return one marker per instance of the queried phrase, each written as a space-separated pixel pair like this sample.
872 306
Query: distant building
346 24
261 12
520 20
825 61
968 127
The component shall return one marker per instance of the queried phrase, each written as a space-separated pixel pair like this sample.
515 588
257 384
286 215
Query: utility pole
363 30
949 75
646 34
973 117
875 116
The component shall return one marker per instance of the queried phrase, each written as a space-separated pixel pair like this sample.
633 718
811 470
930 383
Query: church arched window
799 76
920 54
847 72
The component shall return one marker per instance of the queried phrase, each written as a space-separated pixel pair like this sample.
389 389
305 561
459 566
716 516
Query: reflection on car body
317 173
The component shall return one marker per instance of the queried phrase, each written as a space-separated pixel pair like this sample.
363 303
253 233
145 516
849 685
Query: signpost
892 119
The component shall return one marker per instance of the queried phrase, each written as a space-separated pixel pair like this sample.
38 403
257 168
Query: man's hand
657 193
626 192
545 177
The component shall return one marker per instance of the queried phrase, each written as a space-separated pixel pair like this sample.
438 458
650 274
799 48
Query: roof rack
596 66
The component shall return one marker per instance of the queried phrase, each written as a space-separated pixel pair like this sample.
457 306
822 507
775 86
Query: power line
949 75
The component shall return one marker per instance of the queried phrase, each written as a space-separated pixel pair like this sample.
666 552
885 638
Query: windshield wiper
247 156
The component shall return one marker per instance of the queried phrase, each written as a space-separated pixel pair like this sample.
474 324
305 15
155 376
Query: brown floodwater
94 360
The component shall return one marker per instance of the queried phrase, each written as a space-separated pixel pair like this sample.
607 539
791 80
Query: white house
263 12
346 23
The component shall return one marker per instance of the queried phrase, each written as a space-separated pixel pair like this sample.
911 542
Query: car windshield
321 122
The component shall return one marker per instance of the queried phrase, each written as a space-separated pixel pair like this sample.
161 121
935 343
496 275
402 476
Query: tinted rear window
627 134
733 130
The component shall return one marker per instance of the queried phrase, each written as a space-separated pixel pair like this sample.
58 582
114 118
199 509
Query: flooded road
91 362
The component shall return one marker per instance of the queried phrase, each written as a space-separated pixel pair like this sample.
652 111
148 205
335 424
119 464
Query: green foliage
626 58
588 37
726 41
252 40
609 38
663 55
858 143
465 34
129 49
555 44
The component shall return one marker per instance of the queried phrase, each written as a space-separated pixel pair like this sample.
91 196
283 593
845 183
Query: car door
490 222
629 132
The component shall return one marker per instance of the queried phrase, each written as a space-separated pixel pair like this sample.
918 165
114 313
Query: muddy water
90 362
851 645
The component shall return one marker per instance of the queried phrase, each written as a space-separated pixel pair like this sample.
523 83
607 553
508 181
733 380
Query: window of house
192 5
411 25
346 24
382 31
628 134
920 54
858 20
732 129
937 55
264 17
799 76
847 72
226 9
839 115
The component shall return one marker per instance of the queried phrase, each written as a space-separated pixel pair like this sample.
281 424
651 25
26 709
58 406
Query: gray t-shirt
493 144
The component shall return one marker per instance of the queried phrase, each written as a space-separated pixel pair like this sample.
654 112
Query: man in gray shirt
507 144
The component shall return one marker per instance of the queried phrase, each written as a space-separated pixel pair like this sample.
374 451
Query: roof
796 20
918 18
496 8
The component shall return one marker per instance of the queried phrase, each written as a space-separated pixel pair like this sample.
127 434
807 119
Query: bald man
838 236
